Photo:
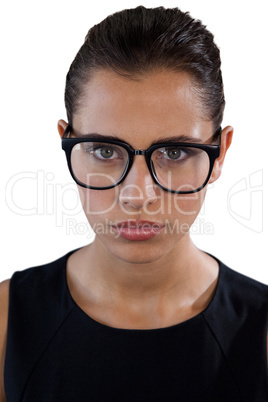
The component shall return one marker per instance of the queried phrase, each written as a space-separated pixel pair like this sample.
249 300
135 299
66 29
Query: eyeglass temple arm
217 135
67 131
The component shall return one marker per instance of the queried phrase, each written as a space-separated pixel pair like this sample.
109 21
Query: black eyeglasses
177 167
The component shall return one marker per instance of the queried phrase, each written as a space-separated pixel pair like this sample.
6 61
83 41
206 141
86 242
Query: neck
148 295
180 267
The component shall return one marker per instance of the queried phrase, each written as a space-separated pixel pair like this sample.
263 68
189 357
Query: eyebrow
174 139
179 138
98 136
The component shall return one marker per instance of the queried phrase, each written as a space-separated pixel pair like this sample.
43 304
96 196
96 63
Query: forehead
139 110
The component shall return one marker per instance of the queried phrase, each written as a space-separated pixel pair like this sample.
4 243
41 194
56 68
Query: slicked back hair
138 41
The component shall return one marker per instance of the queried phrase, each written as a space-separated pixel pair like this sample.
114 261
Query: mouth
137 230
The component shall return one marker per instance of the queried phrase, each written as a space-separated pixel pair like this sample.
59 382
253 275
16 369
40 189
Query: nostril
129 192
138 196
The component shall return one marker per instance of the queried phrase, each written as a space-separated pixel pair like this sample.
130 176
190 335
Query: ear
226 140
62 127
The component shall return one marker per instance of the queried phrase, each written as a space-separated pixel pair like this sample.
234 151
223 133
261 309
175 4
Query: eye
172 153
104 152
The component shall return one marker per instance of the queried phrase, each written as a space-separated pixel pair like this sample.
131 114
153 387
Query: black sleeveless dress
55 352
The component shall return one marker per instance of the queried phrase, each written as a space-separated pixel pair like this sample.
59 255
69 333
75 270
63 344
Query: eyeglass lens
102 165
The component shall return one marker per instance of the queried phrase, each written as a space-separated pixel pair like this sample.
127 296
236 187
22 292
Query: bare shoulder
4 288
4 295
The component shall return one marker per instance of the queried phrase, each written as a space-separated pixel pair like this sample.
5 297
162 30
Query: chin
138 261
140 252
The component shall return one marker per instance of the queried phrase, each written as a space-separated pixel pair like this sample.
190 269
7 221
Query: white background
38 43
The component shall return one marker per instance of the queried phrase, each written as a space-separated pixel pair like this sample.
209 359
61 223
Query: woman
141 314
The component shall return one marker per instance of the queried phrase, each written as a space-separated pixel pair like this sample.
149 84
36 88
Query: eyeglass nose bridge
146 154
142 152
139 152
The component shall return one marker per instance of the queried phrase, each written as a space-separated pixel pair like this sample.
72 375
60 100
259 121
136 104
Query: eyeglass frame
213 152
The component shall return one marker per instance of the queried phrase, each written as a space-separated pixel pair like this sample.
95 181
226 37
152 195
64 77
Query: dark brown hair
137 41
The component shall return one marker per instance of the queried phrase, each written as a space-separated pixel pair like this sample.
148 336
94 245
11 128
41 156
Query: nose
138 189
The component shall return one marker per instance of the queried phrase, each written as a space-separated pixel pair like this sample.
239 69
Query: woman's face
139 112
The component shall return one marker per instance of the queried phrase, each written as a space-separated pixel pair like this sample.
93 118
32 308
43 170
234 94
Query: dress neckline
182 324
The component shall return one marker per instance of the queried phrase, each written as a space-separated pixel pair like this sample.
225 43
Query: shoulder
38 288
38 296
4 293
239 302
237 320
4 296
36 280
241 288
38 273
39 302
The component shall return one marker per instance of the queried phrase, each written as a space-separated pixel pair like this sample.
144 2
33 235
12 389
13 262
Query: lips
137 230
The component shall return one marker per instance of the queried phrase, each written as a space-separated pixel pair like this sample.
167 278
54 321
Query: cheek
189 204
98 202
184 213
